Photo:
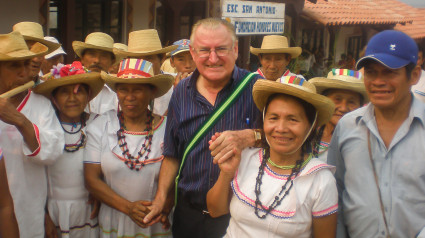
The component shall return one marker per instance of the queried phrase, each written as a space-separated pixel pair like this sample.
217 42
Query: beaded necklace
132 162
284 191
289 166
81 141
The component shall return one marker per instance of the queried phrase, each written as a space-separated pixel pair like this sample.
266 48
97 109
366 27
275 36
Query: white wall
14 11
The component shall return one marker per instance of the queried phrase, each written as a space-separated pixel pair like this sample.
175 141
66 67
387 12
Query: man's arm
167 176
223 144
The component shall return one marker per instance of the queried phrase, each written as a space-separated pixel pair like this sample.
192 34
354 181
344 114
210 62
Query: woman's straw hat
95 40
75 73
341 79
297 87
138 71
142 43
13 47
276 44
34 31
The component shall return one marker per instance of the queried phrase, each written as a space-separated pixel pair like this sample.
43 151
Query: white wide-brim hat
297 87
341 79
276 44
138 71
34 31
143 43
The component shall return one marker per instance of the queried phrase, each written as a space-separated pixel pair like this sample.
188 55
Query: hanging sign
255 18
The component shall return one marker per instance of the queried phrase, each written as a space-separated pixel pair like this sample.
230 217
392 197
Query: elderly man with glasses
214 48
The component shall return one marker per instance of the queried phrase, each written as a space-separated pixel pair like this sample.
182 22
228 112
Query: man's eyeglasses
205 52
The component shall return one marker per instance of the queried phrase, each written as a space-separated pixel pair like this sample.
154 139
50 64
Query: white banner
253 9
255 18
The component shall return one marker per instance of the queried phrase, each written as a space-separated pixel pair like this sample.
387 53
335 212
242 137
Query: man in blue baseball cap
378 150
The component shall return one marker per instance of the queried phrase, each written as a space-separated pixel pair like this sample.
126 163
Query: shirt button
386 184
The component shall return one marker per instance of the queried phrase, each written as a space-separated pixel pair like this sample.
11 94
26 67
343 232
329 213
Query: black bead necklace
284 191
137 162
82 141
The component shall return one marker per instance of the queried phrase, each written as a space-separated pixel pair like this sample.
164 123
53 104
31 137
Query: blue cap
394 49
183 45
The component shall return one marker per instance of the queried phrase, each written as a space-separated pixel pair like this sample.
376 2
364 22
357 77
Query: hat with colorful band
341 79
297 87
138 71
183 46
75 73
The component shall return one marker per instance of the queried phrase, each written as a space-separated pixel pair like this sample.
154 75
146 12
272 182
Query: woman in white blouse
280 190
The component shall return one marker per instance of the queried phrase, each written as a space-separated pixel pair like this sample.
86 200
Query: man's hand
137 212
224 145
180 76
154 216
8 112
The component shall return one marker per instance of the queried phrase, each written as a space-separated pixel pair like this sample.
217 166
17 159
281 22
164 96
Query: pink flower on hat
75 68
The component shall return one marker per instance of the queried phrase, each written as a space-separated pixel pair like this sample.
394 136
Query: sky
414 3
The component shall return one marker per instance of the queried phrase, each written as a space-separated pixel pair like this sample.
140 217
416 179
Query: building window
90 16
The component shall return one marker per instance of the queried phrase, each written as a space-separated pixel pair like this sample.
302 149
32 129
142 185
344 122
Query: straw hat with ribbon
276 44
138 71
297 87
13 47
341 79
34 31
75 73
143 43
95 40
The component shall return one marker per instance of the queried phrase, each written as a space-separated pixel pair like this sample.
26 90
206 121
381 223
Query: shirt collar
417 110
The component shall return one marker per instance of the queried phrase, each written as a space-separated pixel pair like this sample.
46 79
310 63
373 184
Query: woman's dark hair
310 112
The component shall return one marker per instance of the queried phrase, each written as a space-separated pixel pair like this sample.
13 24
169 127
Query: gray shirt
400 169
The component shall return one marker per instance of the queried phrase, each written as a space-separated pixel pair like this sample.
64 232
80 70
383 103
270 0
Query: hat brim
293 51
92 79
322 84
80 46
180 51
263 89
52 46
390 61
37 50
162 82
126 54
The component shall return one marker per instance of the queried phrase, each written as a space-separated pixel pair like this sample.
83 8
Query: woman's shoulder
316 165
102 122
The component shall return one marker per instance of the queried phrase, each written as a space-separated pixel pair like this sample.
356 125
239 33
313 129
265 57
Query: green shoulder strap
210 122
